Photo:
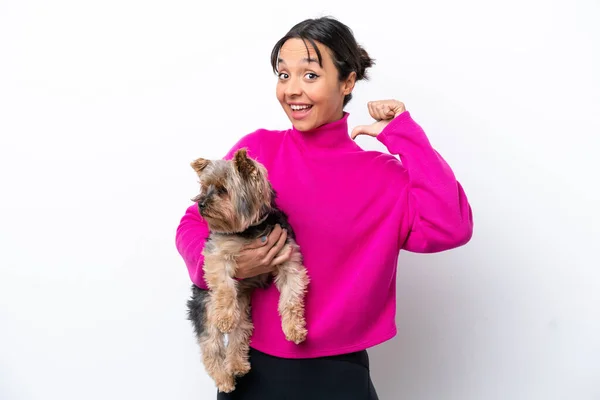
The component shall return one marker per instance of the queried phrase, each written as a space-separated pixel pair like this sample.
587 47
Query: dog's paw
295 333
227 319
239 368
225 383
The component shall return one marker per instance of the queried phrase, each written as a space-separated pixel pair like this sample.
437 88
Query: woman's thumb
363 130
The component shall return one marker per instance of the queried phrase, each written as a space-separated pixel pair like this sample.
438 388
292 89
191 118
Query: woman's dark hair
347 54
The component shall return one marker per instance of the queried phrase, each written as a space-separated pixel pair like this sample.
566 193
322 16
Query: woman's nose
293 87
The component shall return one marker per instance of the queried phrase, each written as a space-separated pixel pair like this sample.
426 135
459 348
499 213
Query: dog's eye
222 190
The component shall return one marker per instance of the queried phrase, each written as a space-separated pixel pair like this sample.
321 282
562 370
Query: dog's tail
196 306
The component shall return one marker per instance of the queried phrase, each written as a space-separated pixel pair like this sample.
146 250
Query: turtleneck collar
330 136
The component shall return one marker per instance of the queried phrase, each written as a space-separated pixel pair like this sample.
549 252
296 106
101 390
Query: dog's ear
199 165
245 166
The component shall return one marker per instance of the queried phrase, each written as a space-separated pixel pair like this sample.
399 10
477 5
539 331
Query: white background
104 104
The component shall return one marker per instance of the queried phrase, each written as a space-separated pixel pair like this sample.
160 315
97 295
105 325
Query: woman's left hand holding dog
262 255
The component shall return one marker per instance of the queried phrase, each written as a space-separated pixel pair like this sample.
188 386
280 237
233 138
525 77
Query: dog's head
234 194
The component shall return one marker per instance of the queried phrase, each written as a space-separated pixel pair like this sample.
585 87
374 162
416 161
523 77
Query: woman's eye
312 76
283 75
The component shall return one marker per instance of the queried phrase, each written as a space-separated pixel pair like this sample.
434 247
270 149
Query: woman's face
310 95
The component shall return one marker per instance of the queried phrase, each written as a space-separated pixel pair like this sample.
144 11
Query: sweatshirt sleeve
192 231
439 215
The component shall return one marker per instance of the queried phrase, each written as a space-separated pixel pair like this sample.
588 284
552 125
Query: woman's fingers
275 249
283 257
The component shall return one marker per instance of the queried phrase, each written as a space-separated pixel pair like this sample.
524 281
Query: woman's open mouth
300 111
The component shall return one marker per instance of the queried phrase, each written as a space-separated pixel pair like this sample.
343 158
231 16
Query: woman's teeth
298 108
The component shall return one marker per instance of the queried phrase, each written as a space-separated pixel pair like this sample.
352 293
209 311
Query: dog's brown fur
237 202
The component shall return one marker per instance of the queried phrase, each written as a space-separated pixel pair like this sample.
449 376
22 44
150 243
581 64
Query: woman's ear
348 84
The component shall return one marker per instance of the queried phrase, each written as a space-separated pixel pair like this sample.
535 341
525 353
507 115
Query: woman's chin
301 121
303 124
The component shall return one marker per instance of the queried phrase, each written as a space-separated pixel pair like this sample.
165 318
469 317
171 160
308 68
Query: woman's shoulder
263 134
258 141
382 164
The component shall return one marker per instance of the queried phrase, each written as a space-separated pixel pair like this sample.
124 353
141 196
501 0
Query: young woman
352 212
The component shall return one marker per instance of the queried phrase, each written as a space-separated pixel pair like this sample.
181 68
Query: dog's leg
213 351
236 359
292 280
219 274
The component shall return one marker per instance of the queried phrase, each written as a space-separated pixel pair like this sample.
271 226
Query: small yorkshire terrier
238 203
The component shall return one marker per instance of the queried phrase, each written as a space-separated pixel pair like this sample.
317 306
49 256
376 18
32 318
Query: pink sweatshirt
352 211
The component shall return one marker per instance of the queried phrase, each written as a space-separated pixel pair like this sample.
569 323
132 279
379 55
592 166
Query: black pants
344 377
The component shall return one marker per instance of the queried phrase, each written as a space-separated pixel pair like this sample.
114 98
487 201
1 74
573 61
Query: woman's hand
382 111
261 256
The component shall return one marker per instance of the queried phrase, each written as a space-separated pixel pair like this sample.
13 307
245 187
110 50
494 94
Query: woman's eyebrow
305 60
